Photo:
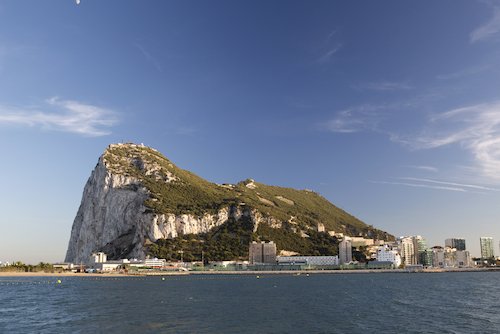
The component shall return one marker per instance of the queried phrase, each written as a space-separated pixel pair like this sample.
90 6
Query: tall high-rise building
263 252
486 247
419 244
411 249
425 258
407 249
345 251
457 243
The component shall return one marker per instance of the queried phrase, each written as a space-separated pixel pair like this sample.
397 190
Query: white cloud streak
327 56
488 30
454 184
416 182
65 115
355 119
425 168
464 72
476 128
420 185
149 57
383 86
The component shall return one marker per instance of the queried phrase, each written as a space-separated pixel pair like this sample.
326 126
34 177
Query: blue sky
389 109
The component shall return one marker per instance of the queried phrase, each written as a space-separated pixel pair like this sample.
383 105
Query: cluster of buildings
413 251
264 255
99 263
405 252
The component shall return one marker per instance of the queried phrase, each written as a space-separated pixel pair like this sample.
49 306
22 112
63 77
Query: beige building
361 242
463 259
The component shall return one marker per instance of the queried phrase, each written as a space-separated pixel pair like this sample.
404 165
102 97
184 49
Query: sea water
315 303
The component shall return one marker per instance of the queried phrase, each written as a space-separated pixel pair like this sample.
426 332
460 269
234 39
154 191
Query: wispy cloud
446 183
416 182
348 121
355 119
421 185
464 72
149 57
64 115
488 30
425 168
327 56
371 116
476 128
383 86
330 36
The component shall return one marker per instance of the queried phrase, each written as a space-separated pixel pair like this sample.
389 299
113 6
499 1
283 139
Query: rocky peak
136 196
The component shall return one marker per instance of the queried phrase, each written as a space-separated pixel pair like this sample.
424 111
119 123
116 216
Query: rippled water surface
338 303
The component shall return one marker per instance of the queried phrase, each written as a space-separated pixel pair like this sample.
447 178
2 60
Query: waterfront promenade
243 272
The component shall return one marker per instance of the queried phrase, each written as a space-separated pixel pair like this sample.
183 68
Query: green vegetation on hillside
318 243
187 194
177 191
230 242
226 242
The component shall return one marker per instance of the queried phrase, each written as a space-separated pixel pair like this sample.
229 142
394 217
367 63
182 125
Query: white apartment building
155 263
386 254
407 250
99 257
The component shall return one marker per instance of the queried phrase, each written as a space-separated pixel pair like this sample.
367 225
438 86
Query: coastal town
408 253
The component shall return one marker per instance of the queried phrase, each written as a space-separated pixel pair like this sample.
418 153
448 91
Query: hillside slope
137 202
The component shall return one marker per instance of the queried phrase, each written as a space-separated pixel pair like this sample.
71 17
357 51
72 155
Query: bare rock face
136 196
113 218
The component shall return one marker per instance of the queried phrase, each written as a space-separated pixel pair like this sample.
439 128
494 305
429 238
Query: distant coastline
243 272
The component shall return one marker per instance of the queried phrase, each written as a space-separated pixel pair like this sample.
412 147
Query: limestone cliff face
113 218
110 208
136 196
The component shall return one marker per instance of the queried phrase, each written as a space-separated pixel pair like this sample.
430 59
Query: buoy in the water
257 276
59 281
163 278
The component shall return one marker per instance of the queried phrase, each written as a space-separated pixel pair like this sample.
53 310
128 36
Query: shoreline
247 272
